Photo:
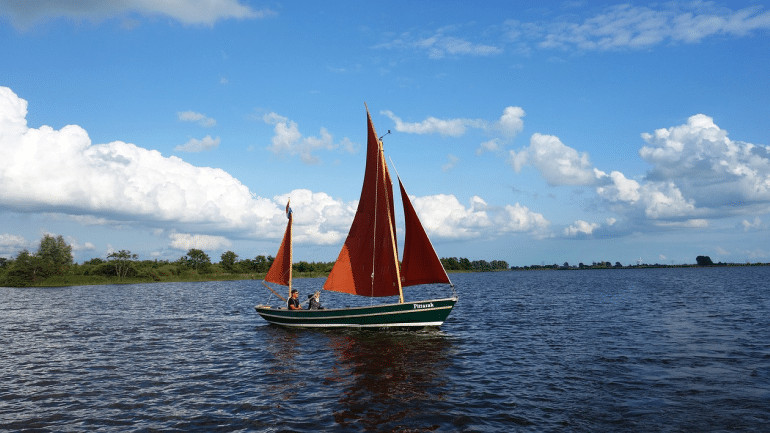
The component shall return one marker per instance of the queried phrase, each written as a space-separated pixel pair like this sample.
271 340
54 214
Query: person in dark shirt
293 302
315 301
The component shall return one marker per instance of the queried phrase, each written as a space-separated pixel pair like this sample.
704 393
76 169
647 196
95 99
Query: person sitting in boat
293 302
315 301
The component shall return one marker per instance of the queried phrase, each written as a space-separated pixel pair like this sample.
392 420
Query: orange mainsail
368 262
420 265
280 270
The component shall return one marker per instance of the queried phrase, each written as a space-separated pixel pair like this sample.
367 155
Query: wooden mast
390 223
291 259
280 271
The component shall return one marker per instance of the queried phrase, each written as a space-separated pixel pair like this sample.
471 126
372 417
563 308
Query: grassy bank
92 280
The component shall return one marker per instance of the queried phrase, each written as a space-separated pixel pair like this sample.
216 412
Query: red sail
420 265
280 270
368 262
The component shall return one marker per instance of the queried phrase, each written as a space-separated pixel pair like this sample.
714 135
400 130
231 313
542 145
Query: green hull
418 314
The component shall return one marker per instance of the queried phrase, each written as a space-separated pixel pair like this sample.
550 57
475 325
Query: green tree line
53 265
466 265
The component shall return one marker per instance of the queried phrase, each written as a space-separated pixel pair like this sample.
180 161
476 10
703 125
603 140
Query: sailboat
368 263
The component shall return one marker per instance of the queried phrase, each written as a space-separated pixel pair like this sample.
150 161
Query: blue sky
532 132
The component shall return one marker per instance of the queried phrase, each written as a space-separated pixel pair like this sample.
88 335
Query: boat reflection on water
385 377
353 380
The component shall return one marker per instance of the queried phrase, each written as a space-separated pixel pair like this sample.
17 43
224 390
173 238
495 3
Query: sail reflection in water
365 380
387 377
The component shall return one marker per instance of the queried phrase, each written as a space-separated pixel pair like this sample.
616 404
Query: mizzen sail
280 270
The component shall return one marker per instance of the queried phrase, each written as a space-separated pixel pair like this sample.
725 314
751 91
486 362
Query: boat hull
417 314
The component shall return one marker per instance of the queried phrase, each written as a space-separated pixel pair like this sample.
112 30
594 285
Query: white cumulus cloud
508 125
706 164
654 199
697 172
317 217
433 125
519 218
665 200
492 145
61 171
581 227
43 169
187 241
620 189
288 140
511 122
559 164
443 216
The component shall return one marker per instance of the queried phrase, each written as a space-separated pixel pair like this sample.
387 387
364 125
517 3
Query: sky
530 132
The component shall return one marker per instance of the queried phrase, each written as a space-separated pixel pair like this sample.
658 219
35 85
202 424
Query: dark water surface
614 350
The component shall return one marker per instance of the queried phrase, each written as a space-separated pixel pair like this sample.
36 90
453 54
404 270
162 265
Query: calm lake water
614 350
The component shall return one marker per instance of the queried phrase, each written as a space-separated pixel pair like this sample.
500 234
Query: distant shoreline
642 266
81 280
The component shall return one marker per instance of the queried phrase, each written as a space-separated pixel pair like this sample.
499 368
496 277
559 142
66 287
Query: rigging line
393 163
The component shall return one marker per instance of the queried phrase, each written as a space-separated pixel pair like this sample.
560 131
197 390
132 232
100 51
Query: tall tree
197 259
261 264
465 264
54 255
22 271
123 262
227 260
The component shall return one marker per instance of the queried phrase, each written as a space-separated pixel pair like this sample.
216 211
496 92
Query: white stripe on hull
349 325
351 316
